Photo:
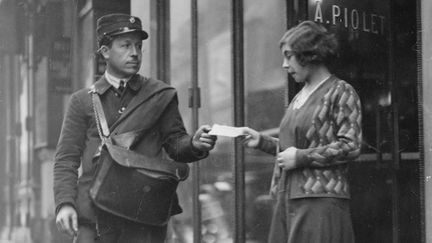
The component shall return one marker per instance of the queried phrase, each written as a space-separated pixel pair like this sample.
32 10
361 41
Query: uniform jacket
128 113
327 133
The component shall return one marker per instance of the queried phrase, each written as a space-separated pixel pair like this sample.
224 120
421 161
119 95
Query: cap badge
132 20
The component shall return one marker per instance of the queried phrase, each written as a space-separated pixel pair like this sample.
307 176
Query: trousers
113 229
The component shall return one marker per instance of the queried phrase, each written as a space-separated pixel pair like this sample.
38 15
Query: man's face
124 56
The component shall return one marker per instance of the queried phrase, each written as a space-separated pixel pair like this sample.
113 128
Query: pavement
18 235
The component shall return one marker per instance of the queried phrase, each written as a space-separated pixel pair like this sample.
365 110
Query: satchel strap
131 159
180 171
101 123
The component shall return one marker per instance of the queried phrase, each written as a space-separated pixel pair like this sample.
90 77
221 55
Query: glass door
233 186
265 89
200 50
378 57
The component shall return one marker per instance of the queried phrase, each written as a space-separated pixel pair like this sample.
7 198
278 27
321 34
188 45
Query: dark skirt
310 220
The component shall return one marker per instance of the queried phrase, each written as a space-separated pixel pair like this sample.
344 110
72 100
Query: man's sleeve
68 153
176 142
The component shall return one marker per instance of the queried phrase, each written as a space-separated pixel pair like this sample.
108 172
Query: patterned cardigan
327 133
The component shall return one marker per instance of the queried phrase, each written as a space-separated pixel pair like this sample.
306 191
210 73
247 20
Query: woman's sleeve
337 125
176 142
268 144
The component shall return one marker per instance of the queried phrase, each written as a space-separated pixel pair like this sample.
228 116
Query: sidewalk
19 235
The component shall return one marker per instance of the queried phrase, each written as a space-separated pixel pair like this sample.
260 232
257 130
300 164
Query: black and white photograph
215 121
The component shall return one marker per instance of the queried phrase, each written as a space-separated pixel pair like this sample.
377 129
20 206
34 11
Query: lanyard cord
101 125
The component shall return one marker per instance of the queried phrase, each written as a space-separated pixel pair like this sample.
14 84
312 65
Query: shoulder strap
131 159
101 122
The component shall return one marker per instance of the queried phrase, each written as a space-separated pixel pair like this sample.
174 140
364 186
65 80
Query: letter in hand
67 220
252 137
202 140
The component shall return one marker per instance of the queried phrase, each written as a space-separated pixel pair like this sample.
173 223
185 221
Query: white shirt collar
114 81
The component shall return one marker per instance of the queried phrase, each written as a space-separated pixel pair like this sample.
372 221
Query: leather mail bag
132 185
134 193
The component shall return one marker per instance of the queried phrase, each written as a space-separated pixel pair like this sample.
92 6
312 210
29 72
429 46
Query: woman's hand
287 158
252 137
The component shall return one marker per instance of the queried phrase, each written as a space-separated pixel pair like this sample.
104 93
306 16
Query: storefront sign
349 14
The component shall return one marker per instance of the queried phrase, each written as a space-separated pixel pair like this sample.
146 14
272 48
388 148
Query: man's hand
67 220
202 141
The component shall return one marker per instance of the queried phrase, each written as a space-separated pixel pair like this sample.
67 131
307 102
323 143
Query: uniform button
146 188
116 94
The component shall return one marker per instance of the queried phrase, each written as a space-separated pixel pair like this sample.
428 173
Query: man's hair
104 41
311 43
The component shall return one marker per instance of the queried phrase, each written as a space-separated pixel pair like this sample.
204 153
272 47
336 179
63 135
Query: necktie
122 86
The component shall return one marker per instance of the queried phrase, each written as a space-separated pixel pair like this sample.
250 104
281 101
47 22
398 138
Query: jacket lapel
146 94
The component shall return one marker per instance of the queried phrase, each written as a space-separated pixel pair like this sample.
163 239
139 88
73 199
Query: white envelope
227 131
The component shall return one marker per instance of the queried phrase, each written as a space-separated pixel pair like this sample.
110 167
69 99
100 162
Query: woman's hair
310 43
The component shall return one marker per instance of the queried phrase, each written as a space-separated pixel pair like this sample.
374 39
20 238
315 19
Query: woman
319 134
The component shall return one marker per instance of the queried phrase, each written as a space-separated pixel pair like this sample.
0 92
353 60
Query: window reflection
265 87
214 77
265 82
180 27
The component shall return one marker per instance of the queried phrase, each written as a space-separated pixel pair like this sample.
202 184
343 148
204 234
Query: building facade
224 60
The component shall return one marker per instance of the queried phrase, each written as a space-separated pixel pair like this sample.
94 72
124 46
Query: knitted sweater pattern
325 144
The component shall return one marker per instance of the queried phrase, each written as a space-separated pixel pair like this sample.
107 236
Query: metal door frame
239 118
